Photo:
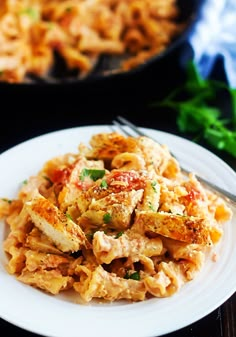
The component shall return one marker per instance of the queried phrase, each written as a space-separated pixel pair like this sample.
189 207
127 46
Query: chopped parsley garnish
69 216
7 200
103 184
154 184
151 206
132 275
107 218
119 234
48 179
89 235
94 174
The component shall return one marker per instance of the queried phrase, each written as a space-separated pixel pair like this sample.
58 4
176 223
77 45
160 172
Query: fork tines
125 126
122 128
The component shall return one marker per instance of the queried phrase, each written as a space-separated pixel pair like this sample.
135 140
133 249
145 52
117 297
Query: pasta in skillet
32 32
116 220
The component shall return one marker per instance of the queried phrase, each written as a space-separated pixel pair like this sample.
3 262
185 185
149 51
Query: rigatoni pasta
116 220
80 31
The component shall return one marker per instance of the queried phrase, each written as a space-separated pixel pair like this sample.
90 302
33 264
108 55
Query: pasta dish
115 220
34 33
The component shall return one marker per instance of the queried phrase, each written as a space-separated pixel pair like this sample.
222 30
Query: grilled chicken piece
183 228
114 182
113 210
76 183
36 240
65 234
106 146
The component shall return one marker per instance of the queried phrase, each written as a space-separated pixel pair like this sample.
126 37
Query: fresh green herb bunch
198 112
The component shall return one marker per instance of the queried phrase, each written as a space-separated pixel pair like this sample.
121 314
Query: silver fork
122 123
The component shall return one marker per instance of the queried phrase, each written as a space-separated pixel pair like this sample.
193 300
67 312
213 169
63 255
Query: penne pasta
115 220
80 32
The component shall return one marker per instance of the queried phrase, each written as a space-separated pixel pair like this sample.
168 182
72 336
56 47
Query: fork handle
227 196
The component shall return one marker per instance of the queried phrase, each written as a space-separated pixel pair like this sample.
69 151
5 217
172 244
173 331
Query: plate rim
222 163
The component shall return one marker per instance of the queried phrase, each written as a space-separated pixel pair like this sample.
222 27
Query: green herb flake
132 275
69 216
119 234
89 235
9 201
151 206
107 218
103 184
48 179
94 174
154 184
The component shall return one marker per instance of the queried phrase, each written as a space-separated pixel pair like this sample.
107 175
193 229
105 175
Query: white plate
61 316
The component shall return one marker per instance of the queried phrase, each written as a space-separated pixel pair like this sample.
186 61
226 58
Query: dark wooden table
32 111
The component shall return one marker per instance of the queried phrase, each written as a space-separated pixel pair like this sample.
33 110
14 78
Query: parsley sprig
134 275
94 174
198 112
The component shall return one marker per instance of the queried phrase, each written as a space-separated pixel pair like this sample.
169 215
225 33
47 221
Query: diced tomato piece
193 195
125 180
61 176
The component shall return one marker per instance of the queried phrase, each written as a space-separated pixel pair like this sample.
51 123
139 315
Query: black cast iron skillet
107 67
